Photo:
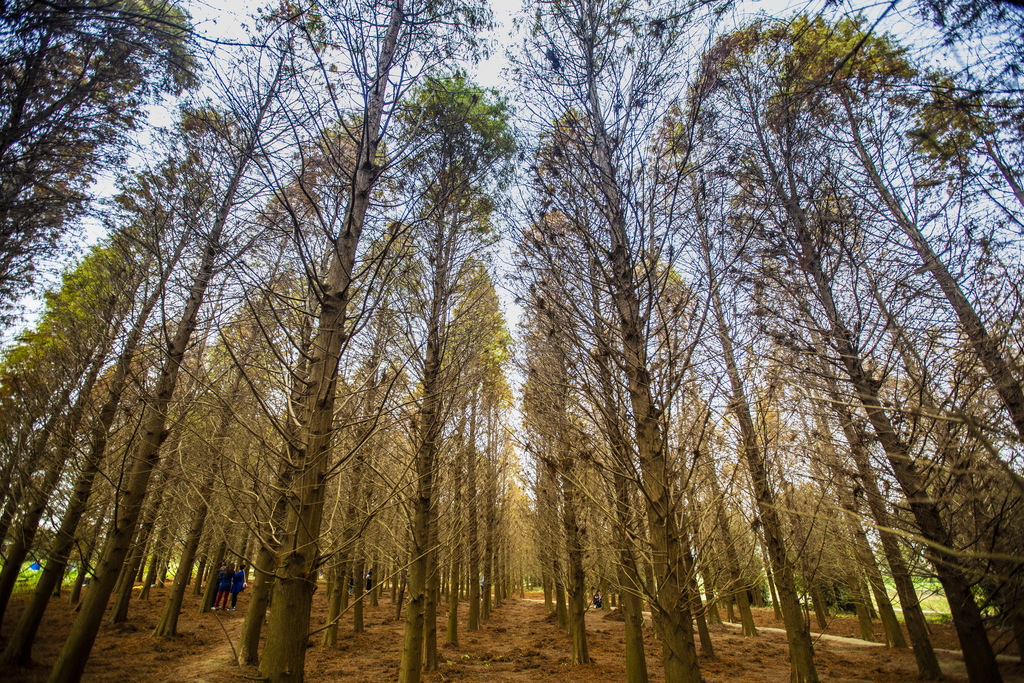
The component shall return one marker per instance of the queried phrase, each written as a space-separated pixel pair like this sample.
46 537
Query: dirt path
218 661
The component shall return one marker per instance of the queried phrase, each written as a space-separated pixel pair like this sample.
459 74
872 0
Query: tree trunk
983 344
335 588
798 637
978 654
473 533
211 584
284 654
71 662
575 539
168 623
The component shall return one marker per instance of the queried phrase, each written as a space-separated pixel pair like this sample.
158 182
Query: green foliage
810 60
467 141
73 81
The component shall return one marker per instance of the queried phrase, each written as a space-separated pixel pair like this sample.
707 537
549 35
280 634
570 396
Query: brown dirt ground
518 643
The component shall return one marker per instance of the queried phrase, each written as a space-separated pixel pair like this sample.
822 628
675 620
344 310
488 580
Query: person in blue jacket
237 585
224 579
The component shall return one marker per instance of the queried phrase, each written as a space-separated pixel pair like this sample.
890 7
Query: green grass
929 593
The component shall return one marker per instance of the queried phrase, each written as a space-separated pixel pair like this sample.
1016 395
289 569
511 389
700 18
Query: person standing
237 585
224 578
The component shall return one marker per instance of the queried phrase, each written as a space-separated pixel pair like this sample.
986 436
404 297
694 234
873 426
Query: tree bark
978 654
285 652
798 637
1000 371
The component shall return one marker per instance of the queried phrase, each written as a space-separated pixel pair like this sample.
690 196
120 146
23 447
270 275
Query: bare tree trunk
575 538
335 588
452 635
978 654
285 652
924 655
119 613
358 591
211 584
630 586
38 497
1006 384
265 564
71 662
801 652
168 623
737 587
473 533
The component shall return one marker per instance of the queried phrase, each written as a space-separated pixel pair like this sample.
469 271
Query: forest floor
519 643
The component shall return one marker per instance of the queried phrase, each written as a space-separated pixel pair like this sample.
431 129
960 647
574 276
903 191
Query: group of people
229 582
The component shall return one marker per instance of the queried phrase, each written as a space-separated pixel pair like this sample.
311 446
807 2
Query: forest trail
212 664
520 642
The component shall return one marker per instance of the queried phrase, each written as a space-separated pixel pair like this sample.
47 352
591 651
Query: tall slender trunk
737 587
168 622
924 655
285 652
999 369
420 645
126 582
167 625
265 563
19 648
336 587
212 582
473 529
38 496
978 654
156 558
630 586
575 539
71 662
452 635
798 637
84 560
